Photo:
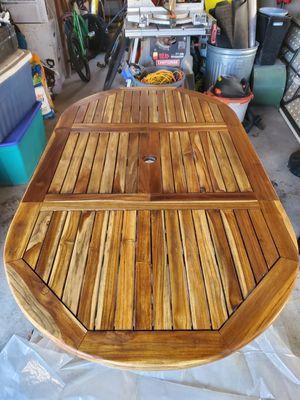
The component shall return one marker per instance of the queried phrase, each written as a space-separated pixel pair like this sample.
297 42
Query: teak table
150 236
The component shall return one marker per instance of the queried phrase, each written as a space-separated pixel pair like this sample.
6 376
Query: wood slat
135 107
181 314
216 112
64 253
161 105
35 243
264 237
162 351
170 107
224 163
177 163
92 273
86 166
280 232
228 274
126 114
242 265
211 273
153 107
166 164
198 114
132 164
99 159
254 170
179 110
197 294
75 164
106 303
144 104
125 291
155 172
120 171
187 105
252 246
143 287
287 222
118 107
137 126
82 109
162 316
50 243
149 174
200 163
212 163
21 228
189 164
109 108
98 117
64 163
75 274
208 116
110 162
236 164
91 110
143 167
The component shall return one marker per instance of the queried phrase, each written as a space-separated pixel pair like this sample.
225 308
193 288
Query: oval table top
150 236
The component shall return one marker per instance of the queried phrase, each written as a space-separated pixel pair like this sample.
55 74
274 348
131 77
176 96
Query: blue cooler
17 95
22 149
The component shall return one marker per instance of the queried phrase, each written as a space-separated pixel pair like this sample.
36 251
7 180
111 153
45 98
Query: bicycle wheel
115 59
111 44
79 63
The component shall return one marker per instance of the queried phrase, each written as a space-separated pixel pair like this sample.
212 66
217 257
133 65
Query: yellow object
209 4
94 7
162 77
36 60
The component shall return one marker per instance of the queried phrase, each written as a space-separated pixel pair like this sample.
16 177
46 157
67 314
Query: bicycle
77 33
88 35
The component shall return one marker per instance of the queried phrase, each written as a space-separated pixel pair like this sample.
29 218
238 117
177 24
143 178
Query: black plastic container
270 33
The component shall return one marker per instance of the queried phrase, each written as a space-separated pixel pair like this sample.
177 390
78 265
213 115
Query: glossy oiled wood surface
150 235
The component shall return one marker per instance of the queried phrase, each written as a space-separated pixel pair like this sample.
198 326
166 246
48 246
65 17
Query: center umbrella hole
149 159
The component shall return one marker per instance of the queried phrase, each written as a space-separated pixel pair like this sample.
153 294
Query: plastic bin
17 95
272 26
21 151
8 41
234 62
269 84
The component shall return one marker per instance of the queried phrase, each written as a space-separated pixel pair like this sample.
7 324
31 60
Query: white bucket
239 106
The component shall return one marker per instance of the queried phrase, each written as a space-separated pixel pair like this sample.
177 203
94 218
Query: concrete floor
274 145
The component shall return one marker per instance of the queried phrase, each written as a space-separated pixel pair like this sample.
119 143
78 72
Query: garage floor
273 145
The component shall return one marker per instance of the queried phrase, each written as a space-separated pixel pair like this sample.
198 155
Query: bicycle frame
81 30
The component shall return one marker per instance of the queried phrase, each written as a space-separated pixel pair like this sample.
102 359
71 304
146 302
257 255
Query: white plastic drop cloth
37 369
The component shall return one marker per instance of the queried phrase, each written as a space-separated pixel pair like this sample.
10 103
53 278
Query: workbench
150 235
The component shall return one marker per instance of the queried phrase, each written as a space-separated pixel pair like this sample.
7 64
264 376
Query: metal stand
160 37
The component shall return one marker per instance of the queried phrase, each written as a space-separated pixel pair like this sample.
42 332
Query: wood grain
179 289
125 292
42 307
143 307
108 285
150 236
